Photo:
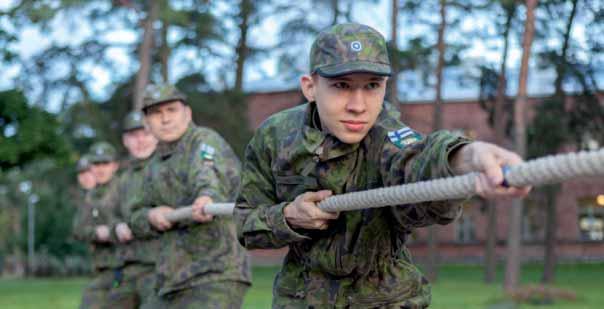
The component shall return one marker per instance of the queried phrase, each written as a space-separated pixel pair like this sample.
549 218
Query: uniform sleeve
214 169
423 160
83 228
138 220
109 205
113 203
260 219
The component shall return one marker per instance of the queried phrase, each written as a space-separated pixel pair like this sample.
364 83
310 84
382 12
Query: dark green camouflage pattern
96 293
136 258
193 253
101 152
134 120
349 48
98 209
361 260
158 94
135 287
219 295
130 193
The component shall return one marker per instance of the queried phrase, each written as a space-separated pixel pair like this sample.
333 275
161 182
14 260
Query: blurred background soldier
201 264
136 256
92 224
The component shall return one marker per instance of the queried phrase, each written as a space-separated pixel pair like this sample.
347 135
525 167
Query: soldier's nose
356 102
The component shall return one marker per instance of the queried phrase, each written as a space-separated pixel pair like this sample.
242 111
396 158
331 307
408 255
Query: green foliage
52 185
487 98
28 133
549 129
225 112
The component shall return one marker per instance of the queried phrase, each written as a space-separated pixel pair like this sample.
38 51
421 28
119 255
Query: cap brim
335 70
145 108
128 129
102 159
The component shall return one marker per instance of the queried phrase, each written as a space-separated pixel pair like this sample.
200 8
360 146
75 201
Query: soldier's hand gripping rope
545 170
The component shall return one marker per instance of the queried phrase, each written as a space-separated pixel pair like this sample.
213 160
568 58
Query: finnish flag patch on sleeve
403 137
206 152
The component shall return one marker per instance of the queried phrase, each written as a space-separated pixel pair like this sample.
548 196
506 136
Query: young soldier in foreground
201 264
136 256
92 224
343 141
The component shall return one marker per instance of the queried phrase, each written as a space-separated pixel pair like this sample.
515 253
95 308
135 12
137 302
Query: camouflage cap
158 94
83 164
133 121
101 152
349 48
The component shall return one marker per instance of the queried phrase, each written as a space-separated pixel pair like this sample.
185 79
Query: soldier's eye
373 86
341 85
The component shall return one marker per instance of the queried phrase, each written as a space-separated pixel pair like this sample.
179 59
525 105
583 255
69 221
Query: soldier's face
140 143
168 121
348 105
103 172
86 179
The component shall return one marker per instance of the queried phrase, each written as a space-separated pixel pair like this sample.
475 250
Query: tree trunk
512 274
561 67
438 122
245 8
142 77
549 265
491 242
164 52
335 6
393 93
500 120
432 267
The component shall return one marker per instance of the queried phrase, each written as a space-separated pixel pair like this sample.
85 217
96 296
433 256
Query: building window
591 218
465 230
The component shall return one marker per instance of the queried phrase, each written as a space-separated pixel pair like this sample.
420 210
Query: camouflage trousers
218 295
96 292
313 299
133 286
294 303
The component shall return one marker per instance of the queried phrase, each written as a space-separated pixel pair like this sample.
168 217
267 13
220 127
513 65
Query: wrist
288 214
460 159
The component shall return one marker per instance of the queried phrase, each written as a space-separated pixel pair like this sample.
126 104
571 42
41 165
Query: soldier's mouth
354 125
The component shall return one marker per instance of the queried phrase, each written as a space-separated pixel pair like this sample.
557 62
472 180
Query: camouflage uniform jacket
128 194
361 259
96 210
200 163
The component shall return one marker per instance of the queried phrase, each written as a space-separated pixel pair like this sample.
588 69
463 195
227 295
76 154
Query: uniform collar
137 164
318 141
102 188
165 150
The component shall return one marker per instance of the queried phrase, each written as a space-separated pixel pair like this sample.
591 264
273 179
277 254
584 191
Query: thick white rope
216 209
550 169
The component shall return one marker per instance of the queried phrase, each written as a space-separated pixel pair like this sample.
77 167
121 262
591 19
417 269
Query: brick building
580 227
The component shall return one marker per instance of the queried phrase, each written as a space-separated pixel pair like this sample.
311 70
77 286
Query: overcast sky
31 40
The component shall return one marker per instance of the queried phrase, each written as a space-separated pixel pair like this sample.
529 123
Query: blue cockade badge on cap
403 137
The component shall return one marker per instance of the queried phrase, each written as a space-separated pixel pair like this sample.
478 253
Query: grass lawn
458 287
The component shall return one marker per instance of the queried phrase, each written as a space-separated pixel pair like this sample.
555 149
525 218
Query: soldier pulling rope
536 172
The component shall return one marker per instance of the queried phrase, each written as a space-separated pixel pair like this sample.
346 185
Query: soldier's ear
309 87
